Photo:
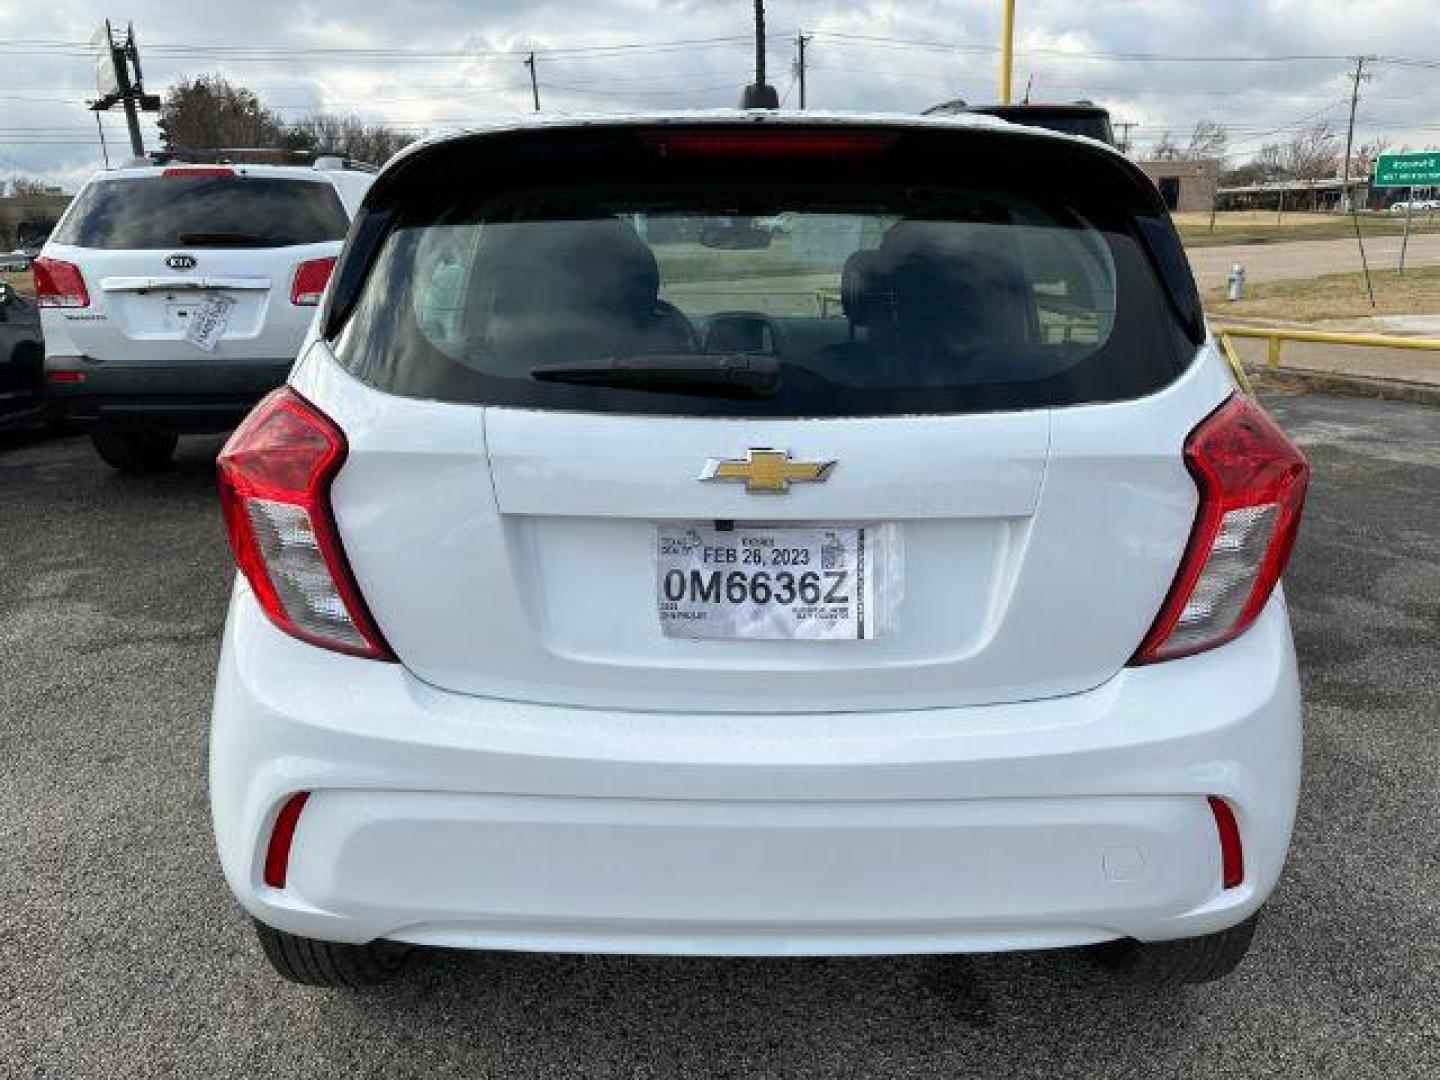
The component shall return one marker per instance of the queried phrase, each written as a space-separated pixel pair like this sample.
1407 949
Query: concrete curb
1298 380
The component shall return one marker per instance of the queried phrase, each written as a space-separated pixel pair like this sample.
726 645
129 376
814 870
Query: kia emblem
180 262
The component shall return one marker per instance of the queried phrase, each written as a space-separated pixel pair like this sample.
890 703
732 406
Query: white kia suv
174 296
621 574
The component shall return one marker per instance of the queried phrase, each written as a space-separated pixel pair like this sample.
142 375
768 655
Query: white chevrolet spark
758 534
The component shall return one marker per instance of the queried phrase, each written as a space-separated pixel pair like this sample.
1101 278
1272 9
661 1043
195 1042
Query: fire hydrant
1237 282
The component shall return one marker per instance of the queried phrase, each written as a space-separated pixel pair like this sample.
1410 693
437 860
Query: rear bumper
198 396
444 819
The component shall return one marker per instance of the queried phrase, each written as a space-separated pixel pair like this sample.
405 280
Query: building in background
1323 194
26 220
1185 184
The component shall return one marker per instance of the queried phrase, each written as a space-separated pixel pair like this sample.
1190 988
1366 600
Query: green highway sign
1408 170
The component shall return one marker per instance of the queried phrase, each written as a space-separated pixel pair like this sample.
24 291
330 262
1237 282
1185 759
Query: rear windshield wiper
718 374
228 239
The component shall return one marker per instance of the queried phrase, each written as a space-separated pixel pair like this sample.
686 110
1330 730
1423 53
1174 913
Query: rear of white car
175 296
622 574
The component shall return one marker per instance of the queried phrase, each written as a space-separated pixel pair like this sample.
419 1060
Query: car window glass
203 211
869 295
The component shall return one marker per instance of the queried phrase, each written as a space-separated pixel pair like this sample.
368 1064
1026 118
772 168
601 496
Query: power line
261 53
1088 54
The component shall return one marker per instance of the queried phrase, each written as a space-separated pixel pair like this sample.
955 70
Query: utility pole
104 150
1348 202
116 83
760 42
534 80
1358 77
759 94
1123 143
800 40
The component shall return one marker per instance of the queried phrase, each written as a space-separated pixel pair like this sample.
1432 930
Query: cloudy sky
434 65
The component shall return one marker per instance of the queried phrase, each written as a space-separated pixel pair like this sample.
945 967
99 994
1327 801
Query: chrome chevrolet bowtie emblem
765 470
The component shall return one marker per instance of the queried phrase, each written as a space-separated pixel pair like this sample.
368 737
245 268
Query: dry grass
1334 296
21 283
1263 227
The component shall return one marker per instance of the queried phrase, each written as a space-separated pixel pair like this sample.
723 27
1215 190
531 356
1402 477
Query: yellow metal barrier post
1328 337
1007 45
1276 336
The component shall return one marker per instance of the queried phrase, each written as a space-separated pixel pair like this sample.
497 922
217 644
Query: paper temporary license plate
207 320
814 583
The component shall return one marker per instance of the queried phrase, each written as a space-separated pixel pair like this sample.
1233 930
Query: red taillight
275 475
65 376
1232 854
310 280
721 143
197 171
1252 483
59 284
282 836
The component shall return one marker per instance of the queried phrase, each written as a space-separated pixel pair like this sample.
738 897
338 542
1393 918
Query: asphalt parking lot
121 952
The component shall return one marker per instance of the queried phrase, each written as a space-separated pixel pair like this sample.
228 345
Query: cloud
472 70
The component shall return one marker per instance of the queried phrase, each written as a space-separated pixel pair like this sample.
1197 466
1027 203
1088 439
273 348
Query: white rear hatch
188 264
558 389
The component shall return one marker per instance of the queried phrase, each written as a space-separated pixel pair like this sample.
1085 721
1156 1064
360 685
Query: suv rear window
203 211
889 281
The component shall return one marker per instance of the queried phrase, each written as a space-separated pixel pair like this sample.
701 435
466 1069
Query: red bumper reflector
277 855
1232 855
65 376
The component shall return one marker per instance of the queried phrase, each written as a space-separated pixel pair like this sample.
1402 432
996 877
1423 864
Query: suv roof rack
258 155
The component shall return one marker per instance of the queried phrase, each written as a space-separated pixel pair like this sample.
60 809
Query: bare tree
350 136
1311 154
1208 140
1165 148
1271 158
209 112
1364 158
22 186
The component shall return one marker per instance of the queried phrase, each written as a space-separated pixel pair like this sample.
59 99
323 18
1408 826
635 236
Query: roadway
1308 258
122 953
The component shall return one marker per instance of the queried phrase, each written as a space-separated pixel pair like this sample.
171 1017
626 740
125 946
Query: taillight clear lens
1252 482
310 280
275 475
59 284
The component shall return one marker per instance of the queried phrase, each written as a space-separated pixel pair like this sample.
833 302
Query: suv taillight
275 475
59 284
310 280
1252 487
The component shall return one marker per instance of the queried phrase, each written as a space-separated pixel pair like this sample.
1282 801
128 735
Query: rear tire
330 963
1180 962
134 449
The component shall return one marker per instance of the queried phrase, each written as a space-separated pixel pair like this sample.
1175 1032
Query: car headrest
961 279
864 290
553 290
584 265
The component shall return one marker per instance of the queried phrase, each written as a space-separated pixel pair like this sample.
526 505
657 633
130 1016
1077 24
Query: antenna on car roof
759 94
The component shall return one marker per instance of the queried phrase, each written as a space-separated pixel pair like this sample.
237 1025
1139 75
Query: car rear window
905 274
203 211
